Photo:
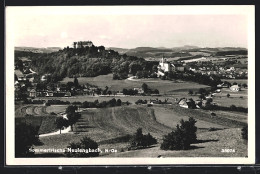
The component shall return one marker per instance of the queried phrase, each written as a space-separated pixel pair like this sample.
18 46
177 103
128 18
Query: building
187 103
177 67
20 75
163 67
235 88
49 94
32 93
82 44
139 90
67 94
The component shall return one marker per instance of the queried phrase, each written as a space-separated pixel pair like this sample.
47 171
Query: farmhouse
32 93
187 103
235 88
177 67
67 94
20 75
139 90
49 94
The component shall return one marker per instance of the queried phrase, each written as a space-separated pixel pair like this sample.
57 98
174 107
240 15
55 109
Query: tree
125 91
156 91
228 95
145 87
202 91
140 140
155 68
61 122
182 137
25 137
72 115
138 137
139 74
76 82
85 143
69 85
118 102
202 97
244 85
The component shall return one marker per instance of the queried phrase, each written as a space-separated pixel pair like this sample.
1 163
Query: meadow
106 124
164 86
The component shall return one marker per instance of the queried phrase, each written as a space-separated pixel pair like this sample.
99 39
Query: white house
235 88
140 90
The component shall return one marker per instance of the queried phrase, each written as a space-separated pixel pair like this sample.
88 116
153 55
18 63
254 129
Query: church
165 66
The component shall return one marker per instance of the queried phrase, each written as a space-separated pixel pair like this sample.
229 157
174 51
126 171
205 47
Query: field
38 110
236 98
164 86
239 81
40 117
104 125
109 126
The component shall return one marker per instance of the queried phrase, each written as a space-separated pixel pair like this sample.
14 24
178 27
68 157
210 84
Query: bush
244 132
182 137
213 114
53 113
85 143
140 140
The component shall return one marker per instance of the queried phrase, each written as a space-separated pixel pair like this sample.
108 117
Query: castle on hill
82 44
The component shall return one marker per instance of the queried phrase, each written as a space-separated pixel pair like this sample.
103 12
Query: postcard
130 85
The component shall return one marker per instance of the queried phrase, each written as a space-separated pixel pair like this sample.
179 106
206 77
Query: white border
11 12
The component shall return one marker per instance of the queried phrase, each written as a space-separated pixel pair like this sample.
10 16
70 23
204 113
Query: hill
186 51
38 50
109 127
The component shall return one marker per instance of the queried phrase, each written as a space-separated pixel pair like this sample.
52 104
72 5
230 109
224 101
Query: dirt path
64 131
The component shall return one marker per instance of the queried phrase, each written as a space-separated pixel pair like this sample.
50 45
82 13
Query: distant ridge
37 50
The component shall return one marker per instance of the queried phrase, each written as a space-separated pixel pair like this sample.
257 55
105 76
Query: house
32 93
20 75
156 101
139 90
177 67
235 88
223 85
49 94
187 103
67 94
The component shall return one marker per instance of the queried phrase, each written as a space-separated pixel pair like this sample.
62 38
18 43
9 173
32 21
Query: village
29 91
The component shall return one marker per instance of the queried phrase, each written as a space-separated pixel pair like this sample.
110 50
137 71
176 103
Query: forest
83 62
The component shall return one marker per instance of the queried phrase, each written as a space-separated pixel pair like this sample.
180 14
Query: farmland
109 126
38 110
164 86
105 124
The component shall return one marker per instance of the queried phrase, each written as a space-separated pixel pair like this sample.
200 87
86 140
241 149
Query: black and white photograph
101 85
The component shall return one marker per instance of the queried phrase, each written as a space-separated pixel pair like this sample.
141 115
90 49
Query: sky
130 30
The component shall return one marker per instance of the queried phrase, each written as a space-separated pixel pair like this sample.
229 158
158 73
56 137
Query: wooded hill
88 62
